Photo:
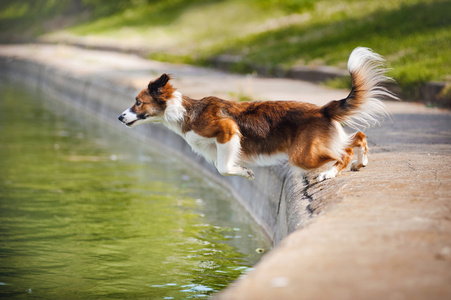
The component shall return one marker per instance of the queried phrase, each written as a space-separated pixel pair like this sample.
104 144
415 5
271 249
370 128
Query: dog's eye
138 103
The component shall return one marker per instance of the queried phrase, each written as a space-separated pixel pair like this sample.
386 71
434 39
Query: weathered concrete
380 233
389 238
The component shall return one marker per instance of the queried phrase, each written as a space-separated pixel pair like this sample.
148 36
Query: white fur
339 140
362 159
328 174
129 116
228 156
174 113
202 145
365 159
225 156
266 160
369 66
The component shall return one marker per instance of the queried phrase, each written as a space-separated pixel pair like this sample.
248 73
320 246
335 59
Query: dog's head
150 103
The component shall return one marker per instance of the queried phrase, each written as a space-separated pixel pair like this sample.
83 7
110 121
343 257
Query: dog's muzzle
123 118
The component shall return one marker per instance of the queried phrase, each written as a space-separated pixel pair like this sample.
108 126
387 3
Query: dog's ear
155 87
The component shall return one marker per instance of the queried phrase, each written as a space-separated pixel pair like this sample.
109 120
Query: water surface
86 212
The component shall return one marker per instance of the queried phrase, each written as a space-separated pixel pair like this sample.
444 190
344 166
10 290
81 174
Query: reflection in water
87 213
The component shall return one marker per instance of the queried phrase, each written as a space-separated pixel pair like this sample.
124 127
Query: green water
88 213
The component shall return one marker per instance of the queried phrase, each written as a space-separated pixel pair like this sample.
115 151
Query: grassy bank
414 35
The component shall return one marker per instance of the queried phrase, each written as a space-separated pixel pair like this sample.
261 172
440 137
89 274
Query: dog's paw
327 175
322 177
355 166
250 174
365 160
238 171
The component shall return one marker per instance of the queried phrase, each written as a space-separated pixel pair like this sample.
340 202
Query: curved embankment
276 198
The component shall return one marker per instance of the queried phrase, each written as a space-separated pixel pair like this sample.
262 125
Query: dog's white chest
202 145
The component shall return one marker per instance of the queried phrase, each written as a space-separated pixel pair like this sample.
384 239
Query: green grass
413 35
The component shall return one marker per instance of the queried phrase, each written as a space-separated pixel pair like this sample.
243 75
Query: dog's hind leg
358 141
315 156
338 166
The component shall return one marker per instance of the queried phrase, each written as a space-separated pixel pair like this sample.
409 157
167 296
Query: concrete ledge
275 199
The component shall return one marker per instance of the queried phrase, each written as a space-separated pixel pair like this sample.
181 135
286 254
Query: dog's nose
121 118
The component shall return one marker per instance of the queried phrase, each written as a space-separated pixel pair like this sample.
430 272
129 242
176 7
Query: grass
413 35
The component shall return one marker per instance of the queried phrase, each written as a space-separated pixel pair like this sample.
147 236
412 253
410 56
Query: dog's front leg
228 155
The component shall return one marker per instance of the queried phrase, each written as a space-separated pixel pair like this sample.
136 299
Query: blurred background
80 214
413 35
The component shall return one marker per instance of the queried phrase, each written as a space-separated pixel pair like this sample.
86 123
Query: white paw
250 174
355 165
246 173
239 171
327 175
365 160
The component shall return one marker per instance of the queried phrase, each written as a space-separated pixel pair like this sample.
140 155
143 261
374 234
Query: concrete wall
275 199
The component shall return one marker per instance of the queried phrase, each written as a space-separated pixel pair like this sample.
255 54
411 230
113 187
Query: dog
236 135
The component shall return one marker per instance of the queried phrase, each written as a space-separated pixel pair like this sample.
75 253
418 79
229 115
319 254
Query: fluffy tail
363 106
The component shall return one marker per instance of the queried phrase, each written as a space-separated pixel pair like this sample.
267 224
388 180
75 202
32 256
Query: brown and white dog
235 135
